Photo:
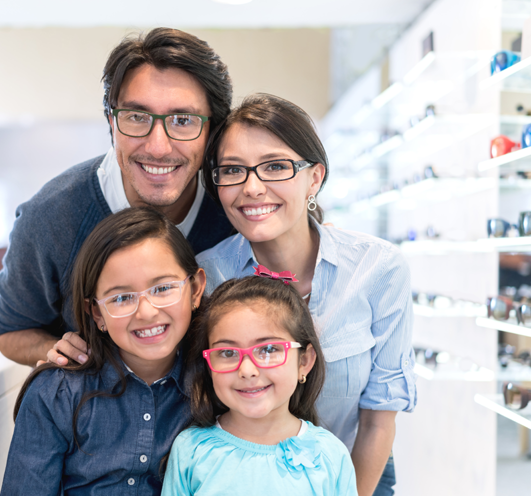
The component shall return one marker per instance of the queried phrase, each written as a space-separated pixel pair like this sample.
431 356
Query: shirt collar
111 376
327 249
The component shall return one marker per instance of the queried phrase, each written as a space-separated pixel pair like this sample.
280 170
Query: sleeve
30 280
42 438
391 383
175 480
346 481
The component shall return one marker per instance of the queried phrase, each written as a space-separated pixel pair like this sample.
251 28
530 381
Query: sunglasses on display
500 228
501 308
515 397
264 356
501 145
502 60
443 302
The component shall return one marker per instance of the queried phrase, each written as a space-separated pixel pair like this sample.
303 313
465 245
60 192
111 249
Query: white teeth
255 390
158 170
148 333
260 210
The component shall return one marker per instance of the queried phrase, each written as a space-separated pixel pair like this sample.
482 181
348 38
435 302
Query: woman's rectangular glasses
264 356
160 296
272 170
138 124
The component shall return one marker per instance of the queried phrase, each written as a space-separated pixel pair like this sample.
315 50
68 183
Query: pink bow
286 276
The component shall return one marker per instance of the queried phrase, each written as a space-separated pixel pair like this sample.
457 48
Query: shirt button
143 458
406 363
147 416
131 481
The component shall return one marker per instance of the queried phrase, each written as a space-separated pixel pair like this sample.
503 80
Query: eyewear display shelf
509 326
486 245
458 311
495 403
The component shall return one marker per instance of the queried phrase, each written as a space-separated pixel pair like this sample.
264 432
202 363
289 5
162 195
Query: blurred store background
408 96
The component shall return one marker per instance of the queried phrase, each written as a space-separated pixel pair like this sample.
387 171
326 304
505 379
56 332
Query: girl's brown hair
284 119
125 228
290 312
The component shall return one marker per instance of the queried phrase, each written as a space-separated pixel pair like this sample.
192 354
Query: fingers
70 346
39 363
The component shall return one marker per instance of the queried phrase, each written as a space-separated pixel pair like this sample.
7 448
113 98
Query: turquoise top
211 461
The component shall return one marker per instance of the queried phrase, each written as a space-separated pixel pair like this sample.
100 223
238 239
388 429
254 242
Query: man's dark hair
165 48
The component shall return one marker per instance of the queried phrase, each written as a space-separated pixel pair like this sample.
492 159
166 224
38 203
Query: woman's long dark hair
284 119
125 228
284 304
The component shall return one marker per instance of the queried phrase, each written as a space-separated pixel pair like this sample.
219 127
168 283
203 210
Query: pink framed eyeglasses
264 356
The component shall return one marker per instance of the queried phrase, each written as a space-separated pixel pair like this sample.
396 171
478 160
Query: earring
194 308
312 204
102 328
303 379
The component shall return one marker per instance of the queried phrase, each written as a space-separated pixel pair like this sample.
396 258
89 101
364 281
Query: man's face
160 92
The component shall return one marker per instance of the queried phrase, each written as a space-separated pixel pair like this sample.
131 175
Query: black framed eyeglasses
272 170
138 124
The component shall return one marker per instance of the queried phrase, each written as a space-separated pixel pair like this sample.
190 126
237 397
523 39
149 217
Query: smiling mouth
253 390
158 170
260 210
149 333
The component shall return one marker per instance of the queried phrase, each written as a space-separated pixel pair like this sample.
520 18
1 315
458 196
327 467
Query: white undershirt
302 430
110 179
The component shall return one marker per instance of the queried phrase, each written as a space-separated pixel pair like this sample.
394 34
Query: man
163 93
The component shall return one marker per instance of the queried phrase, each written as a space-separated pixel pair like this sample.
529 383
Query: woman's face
283 204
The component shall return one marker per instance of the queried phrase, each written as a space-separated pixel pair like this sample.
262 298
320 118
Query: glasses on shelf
503 308
160 296
515 397
502 60
138 124
264 356
272 170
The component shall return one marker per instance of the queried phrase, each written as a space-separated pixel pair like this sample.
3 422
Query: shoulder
332 446
191 442
228 249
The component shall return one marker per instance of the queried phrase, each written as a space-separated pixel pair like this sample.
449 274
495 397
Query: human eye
228 353
269 349
121 299
181 120
231 170
162 288
135 117
277 166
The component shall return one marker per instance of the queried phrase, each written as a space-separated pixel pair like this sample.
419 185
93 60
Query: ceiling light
233 2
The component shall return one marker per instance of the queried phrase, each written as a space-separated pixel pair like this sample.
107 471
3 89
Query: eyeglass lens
267 355
162 295
278 170
178 126
513 396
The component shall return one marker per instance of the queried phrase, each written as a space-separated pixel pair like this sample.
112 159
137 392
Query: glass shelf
487 245
434 77
495 403
456 311
437 132
505 326
514 372
518 160
516 78
434 374
515 183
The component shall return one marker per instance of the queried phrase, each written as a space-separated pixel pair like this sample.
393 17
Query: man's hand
71 346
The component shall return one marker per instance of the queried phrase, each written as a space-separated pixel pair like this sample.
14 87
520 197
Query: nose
247 369
254 187
145 310
158 143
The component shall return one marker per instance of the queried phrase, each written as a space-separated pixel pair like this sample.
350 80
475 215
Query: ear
96 312
198 287
113 130
307 361
317 176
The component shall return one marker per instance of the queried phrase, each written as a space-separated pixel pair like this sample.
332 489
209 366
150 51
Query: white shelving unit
509 326
496 404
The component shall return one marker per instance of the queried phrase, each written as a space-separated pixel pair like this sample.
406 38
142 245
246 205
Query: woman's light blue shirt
361 305
211 462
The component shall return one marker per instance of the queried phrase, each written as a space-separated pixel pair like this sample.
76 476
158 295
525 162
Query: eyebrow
264 158
153 282
132 105
270 339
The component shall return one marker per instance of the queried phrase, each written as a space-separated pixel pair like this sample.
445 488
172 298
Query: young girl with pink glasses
257 370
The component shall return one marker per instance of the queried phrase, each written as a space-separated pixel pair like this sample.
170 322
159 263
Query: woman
265 165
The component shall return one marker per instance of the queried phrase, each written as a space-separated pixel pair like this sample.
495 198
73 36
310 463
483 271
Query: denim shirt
361 305
122 439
